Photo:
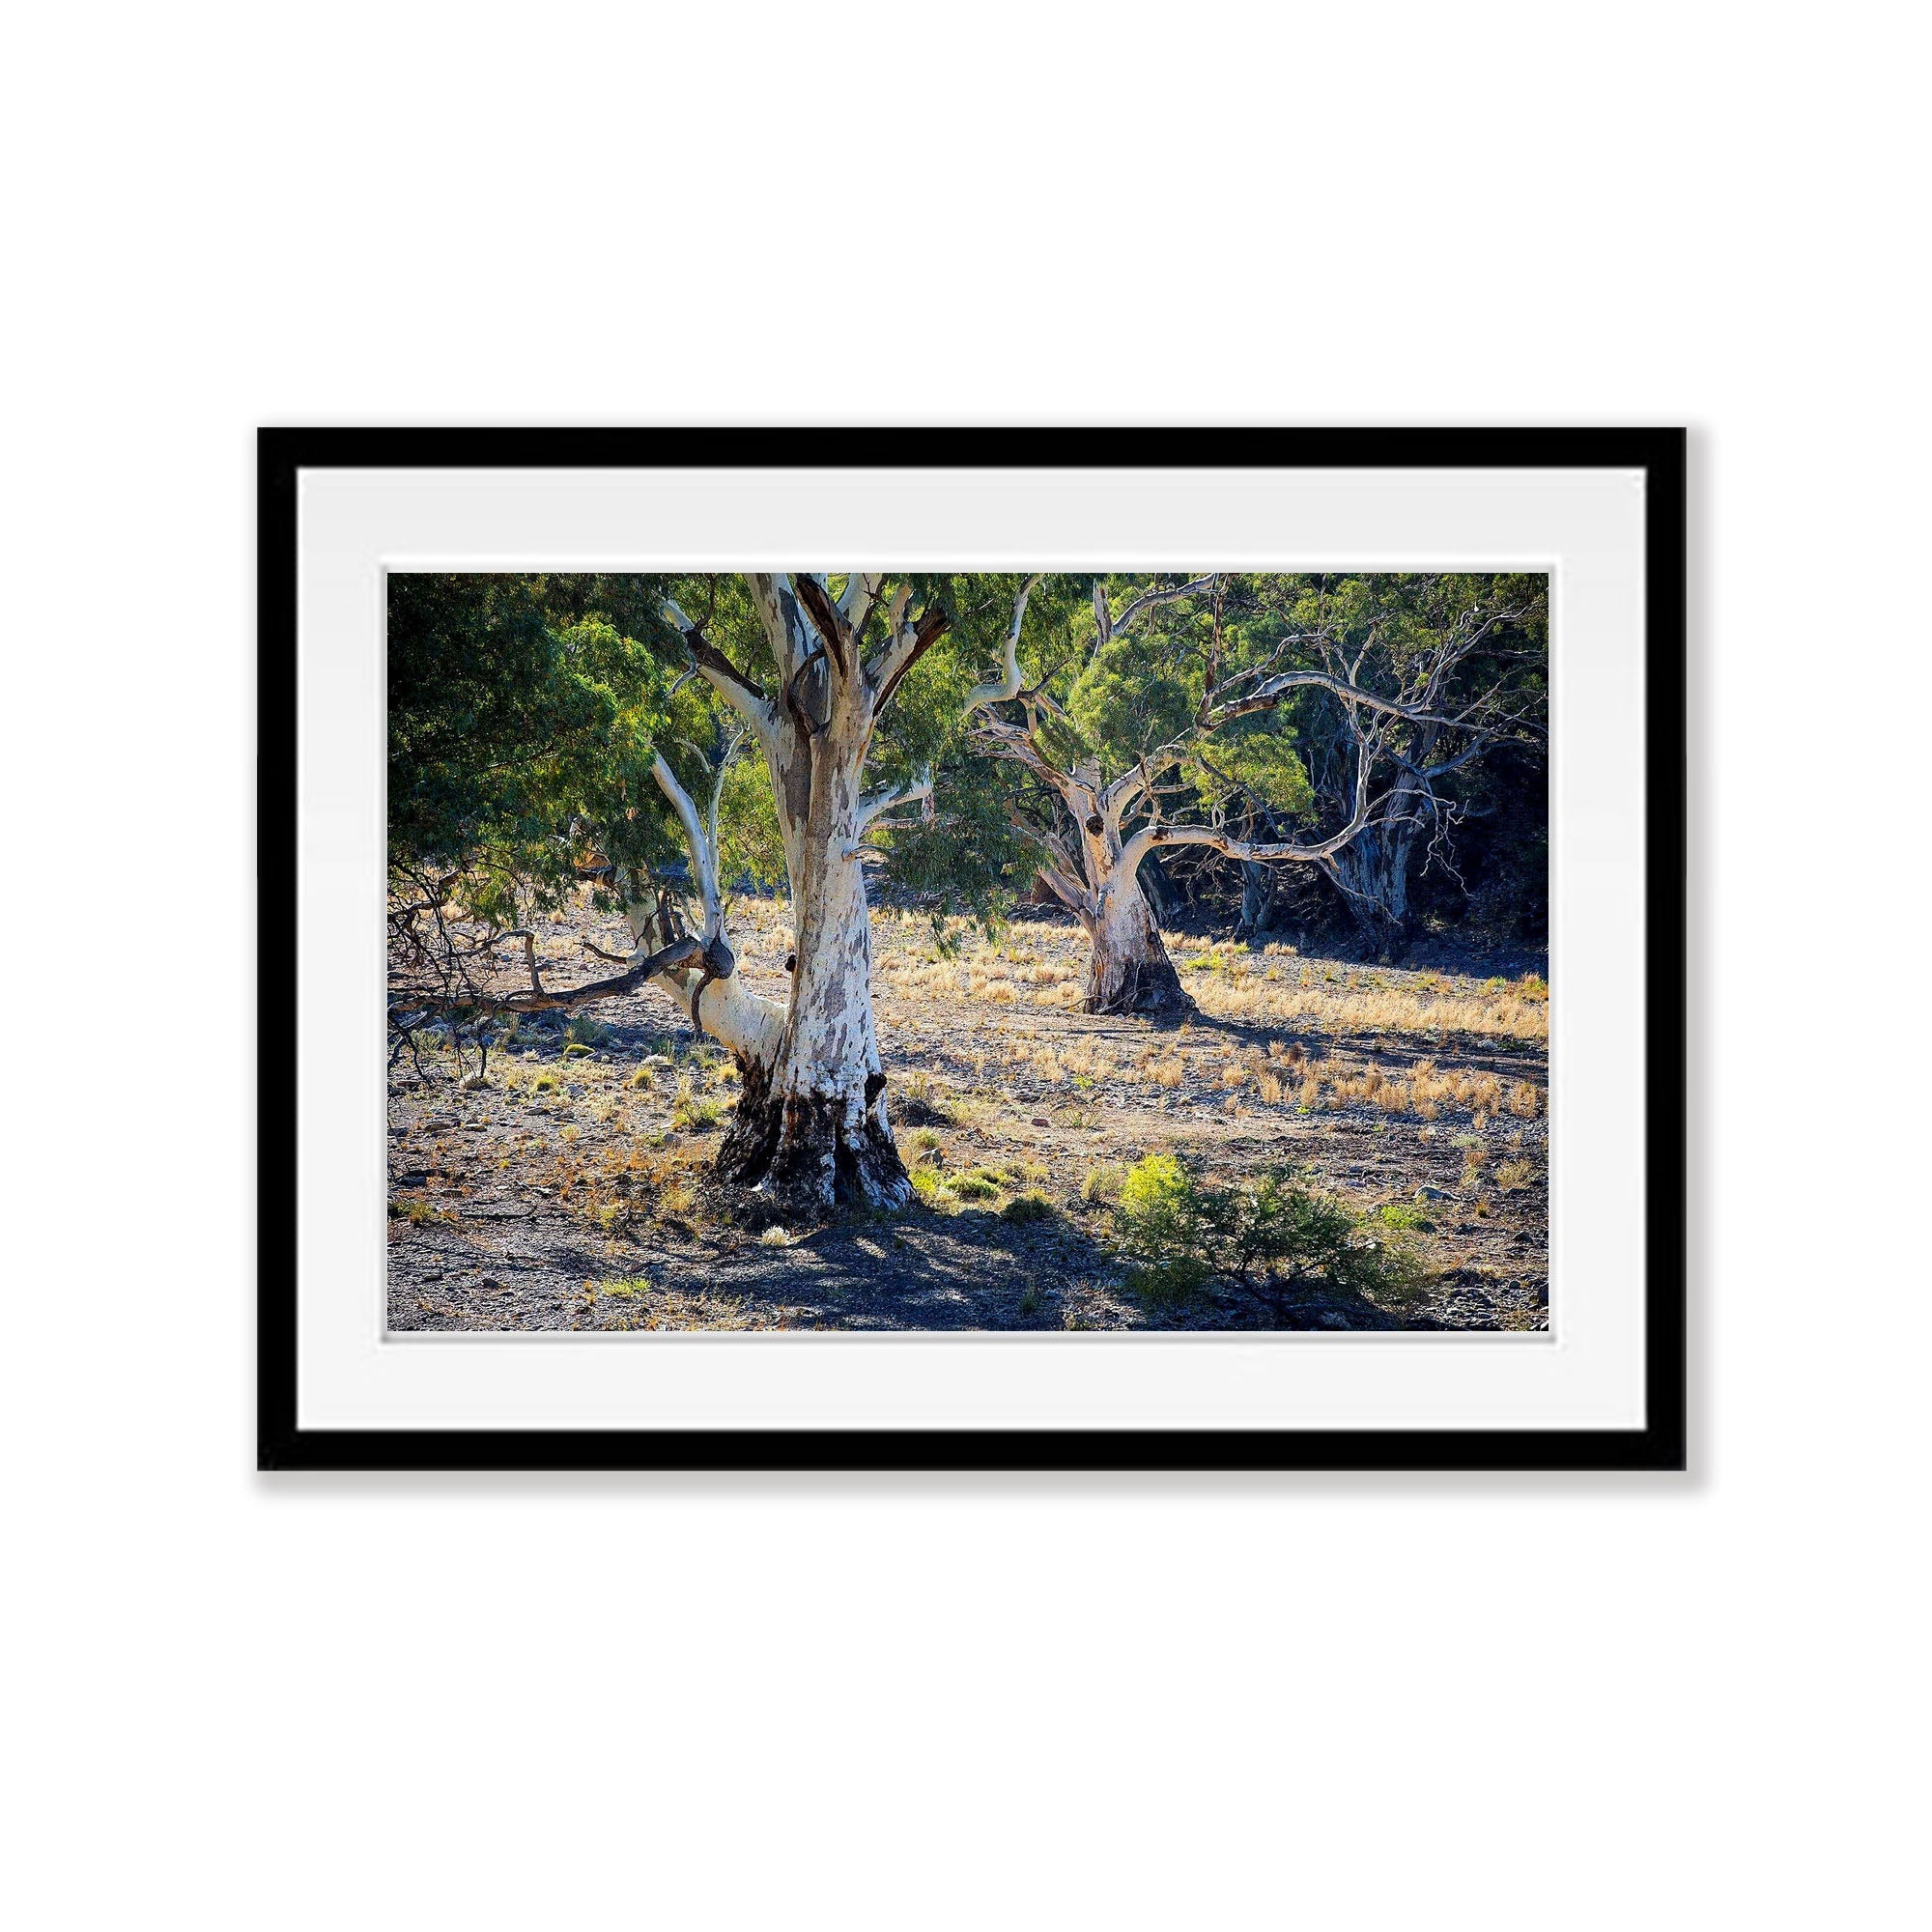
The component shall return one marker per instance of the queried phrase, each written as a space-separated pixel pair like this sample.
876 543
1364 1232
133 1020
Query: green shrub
586 1033
694 1113
575 1050
1274 1228
975 1186
930 1187
1400 1216
623 1289
1159 1208
1024 1207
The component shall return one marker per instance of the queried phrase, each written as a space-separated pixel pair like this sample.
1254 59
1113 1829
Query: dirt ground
572 1192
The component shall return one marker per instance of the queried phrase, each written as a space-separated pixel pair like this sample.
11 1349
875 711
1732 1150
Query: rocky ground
572 1191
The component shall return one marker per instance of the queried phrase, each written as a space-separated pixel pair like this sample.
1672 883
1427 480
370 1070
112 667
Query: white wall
1333 1703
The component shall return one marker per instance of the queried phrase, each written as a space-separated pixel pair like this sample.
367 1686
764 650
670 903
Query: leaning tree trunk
1372 872
1129 971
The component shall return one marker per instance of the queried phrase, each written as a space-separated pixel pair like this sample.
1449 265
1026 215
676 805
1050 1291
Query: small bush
577 1050
544 1082
930 1187
1025 1207
1157 1209
1400 1216
975 1187
416 1211
1514 1173
1102 1185
1275 1229
695 1112
623 1290
586 1033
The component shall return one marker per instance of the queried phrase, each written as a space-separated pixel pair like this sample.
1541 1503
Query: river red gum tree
1091 850
812 1127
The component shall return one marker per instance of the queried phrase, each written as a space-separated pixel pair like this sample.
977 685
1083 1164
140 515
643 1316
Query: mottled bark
1096 878
811 1129
814 1134
1373 874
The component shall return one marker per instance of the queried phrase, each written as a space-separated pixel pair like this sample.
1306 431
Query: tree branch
912 637
1008 684
744 695
703 850
828 618
874 803
861 595
685 952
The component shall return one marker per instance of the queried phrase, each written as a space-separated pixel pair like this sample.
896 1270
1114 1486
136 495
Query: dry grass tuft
1331 1005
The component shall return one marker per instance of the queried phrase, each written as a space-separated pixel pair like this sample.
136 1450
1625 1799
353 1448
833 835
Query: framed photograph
971 949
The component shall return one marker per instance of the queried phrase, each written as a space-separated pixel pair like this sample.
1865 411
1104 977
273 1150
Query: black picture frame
1660 1444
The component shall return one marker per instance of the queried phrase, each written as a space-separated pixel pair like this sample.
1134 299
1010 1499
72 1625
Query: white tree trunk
1128 971
811 1128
